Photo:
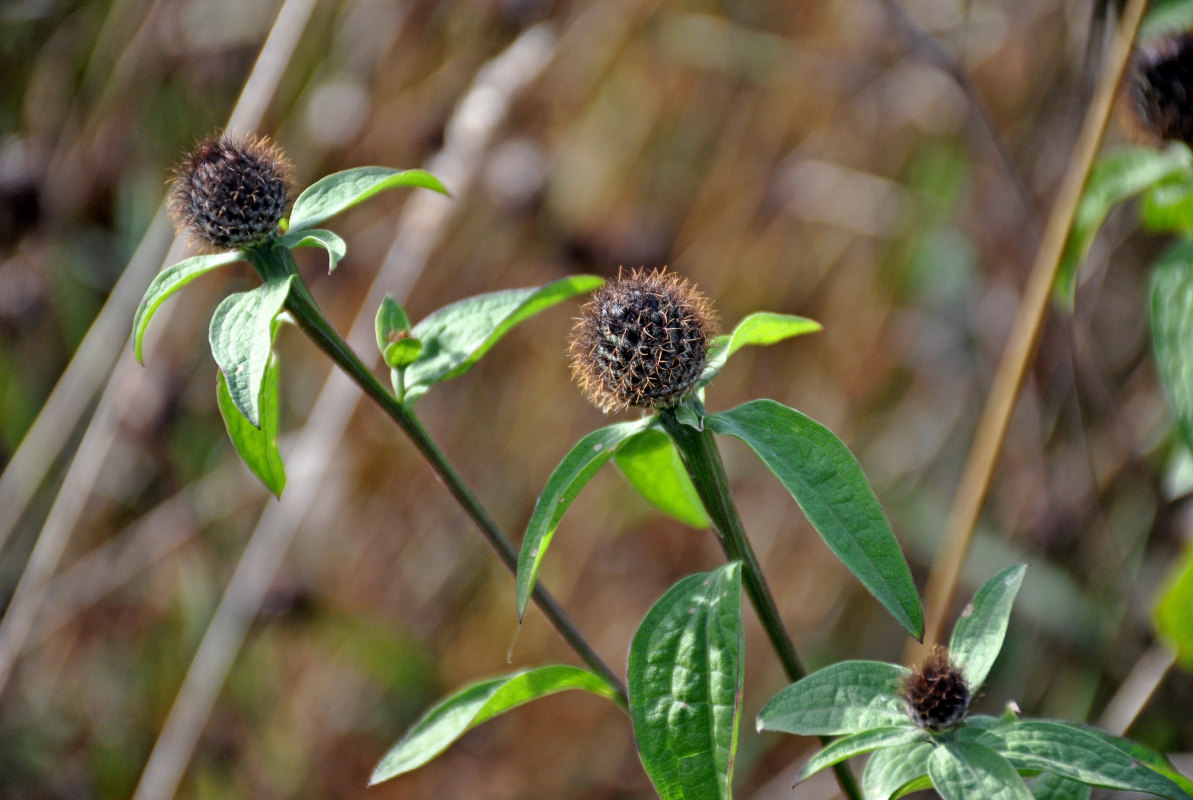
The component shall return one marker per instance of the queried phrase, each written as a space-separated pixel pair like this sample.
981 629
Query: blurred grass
792 157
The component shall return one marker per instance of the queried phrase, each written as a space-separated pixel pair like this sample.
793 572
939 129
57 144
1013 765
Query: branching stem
274 261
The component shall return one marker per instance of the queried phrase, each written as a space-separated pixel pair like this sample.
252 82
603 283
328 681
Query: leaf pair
813 464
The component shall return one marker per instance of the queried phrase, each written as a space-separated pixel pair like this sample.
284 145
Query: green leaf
978 634
391 322
1168 206
894 771
573 474
453 717
241 337
339 191
258 447
170 280
854 745
847 697
970 771
333 244
1142 754
827 483
685 685
457 335
1117 176
1053 787
402 353
1172 330
652 465
1071 751
759 328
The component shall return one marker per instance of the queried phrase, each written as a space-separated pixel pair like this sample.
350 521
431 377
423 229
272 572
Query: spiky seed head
230 192
936 694
642 341
1157 93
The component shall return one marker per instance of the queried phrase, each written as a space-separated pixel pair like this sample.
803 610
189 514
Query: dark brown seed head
642 341
230 192
1157 93
936 694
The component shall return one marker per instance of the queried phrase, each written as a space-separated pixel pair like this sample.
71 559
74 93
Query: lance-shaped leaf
170 280
854 745
844 698
827 483
684 684
457 335
333 244
1073 752
760 328
1144 755
572 475
453 717
970 771
978 634
652 465
1172 331
258 447
1118 176
339 191
894 771
241 338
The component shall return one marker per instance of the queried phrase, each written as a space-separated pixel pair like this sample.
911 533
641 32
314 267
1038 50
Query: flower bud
1157 93
642 341
936 693
230 192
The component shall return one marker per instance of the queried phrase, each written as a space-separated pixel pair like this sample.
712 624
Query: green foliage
831 489
339 191
848 697
573 474
456 336
241 337
1172 331
1174 609
760 328
969 771
981 757
170 280
979 633
333 244
257 446
1118 176
685 686
652 465
454 716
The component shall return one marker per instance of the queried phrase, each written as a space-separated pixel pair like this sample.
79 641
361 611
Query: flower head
1158 89
230 192
936 693
642 341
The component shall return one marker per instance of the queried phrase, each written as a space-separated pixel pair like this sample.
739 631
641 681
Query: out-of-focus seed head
230 192
1157 93
936 693
642 341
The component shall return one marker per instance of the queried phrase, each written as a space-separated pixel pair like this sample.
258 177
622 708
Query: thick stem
274 261
700 455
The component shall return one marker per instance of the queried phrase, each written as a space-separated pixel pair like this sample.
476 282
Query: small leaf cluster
867 704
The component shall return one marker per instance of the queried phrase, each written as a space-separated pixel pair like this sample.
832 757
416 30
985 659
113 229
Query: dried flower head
1157 93
230 192
642 341
936 693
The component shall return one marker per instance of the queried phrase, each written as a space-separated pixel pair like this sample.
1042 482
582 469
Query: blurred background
815 158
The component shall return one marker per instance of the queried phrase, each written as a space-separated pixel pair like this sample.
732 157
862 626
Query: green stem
275 261
700 455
